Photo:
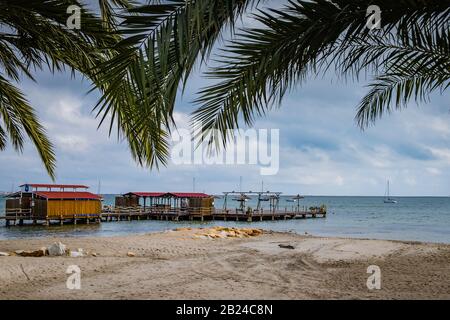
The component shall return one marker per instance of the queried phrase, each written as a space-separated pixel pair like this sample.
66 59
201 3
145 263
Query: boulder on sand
57 249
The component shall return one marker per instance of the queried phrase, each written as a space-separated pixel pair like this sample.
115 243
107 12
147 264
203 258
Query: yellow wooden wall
57 208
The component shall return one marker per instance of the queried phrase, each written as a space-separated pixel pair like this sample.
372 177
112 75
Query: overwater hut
183 201
192 202
53 201
136 199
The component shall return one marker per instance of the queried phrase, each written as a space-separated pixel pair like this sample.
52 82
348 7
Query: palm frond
306 38
18 118
413 68
35 36
394 91
163 42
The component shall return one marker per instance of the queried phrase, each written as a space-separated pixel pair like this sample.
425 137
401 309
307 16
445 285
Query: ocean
412 218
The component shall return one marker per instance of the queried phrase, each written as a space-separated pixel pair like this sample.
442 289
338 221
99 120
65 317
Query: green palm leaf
19 118
306 38
163 43
35 36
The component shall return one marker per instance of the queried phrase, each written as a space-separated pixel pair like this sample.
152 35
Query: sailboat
387 198
295 198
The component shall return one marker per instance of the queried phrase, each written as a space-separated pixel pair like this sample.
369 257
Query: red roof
146 194
60 186
67 195
169 194
187 195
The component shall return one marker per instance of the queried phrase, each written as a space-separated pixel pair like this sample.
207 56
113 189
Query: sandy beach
179 265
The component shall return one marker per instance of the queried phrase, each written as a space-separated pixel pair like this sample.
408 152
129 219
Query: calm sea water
412 218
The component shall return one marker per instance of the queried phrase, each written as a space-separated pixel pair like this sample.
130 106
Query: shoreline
179 265
201 225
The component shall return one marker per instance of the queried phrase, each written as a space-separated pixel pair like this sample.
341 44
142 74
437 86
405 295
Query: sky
322 151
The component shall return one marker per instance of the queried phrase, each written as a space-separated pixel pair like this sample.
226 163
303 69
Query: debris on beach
131 254
286 246
76 254
32 253
57 249
227 232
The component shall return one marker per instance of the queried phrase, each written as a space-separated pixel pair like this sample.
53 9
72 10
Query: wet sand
179 265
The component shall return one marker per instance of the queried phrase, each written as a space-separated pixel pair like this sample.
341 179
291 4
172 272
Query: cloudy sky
322 152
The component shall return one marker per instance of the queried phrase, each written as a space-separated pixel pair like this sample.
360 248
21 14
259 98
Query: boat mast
388 190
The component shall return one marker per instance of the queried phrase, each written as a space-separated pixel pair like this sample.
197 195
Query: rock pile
226 232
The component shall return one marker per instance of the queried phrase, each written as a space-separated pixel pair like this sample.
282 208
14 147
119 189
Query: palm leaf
306 38
35 36
18 118
163 43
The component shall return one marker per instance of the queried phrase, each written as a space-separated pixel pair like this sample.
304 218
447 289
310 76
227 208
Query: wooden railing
158 210
18 213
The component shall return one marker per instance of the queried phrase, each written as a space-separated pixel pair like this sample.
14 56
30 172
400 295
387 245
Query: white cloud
72 143
442 153
433 171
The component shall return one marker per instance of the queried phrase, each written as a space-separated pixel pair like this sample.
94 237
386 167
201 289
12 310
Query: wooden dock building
160 205
52 202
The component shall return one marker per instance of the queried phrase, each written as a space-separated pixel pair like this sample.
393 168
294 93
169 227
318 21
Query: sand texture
182 265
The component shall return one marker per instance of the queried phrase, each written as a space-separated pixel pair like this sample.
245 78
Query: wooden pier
131 214
205 214
45 204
